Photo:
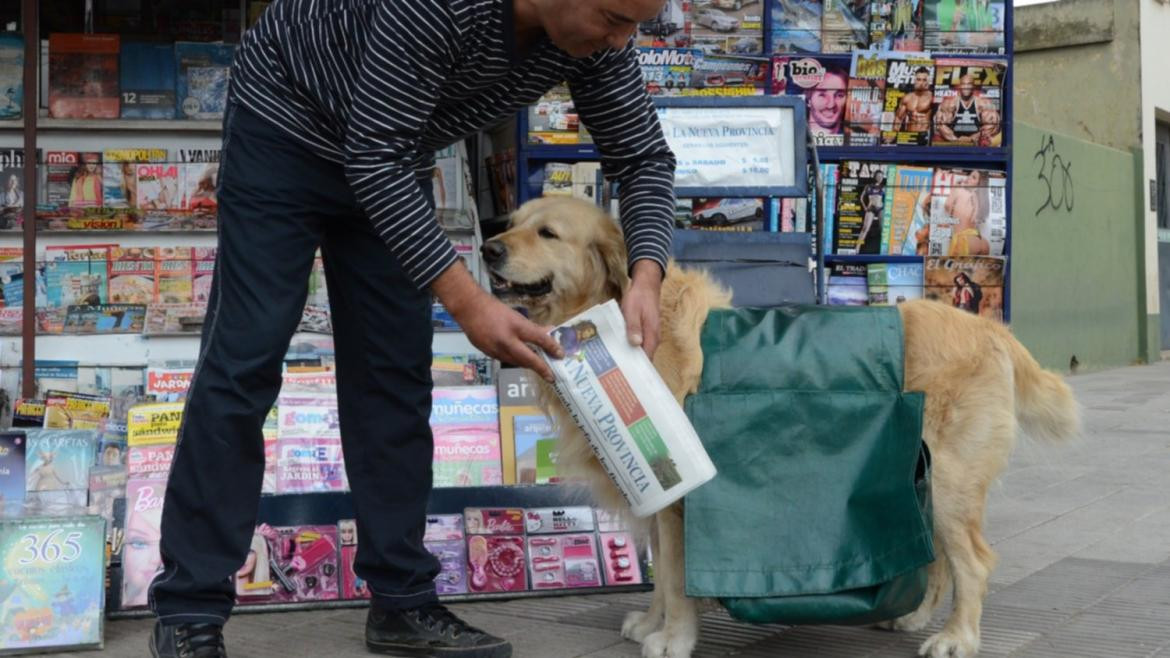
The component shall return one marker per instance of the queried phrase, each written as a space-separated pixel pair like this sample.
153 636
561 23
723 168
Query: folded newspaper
637 429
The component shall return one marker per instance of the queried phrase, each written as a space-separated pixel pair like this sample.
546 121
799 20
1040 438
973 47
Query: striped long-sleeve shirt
380 85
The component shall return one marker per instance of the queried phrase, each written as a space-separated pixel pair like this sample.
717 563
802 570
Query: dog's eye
547 233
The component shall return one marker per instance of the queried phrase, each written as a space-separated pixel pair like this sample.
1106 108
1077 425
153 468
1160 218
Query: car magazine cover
867 93
202 71
553 119
969 283
83 76
964 26
147 73
726 75
968 215
967 102
908 230
725 214
669 29
896 25
53 593
847 285
909 106
466 427
891 284
796 26
861 194
824 83
728 27
845 26
11 76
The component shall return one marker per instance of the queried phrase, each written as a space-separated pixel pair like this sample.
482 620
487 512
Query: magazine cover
11 75
119 177
83 76
861 197
105 319
73 179
731 28
149 462
967 102
202 71
724 214
173 275
158 186
964 26
154 423
77 275
847 284
908 210
909 106
147 74
53 594
891 284
203 265
517 390
896 25
536 446
969 283
553 119
168 384
308 416
726 75
824 83
867 94
131 279
174 319
140 557
76 411
465 423
667 71
669 29
12 476
830 173
968 214
309 465
12 196
845 26
796 26
59 460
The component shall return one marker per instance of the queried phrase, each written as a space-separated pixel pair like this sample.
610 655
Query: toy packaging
496 563
52 594
619 557
493 521
564 561
547 520
291 564
445 540
352 586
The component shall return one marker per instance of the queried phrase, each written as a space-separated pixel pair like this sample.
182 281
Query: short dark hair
922 69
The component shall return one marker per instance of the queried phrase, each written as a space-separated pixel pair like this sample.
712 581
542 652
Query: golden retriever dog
560 256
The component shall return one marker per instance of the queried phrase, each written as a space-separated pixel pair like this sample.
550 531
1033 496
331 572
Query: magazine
847 284
83 76
867 91
970 283
669 29
725 214
896 25
907 231
824 83
730 30
968 214
860 212
964 26
635 425
909 105
796 26
845 26
11 75
12 477
466 427
891 284
967 102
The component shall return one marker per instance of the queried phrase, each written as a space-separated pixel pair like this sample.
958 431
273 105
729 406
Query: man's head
967 86
922 79
584 27
826 101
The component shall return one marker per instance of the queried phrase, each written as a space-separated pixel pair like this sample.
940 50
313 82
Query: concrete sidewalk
1082 531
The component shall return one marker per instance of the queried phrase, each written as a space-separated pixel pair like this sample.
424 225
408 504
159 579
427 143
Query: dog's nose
493 251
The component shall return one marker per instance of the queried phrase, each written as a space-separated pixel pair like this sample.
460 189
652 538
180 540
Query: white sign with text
741 147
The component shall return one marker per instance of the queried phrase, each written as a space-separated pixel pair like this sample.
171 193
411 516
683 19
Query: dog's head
559 256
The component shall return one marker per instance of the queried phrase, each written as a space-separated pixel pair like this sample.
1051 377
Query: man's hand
640 305
491 326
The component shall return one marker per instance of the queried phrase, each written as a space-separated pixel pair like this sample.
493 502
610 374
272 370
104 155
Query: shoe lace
436 616
201 641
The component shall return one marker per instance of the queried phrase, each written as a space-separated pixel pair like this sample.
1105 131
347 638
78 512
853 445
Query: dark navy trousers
279 202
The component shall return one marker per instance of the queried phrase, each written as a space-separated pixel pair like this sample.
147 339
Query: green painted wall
1075 273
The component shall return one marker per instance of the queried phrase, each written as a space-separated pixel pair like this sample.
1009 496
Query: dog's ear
612 248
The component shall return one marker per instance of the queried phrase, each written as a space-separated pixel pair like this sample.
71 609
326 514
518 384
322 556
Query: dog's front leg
638 624
681 630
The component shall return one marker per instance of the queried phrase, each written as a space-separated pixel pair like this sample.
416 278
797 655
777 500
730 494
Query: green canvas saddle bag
820 512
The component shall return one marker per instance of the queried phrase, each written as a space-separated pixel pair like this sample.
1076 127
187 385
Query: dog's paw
950 644
638 625
911 623
664 645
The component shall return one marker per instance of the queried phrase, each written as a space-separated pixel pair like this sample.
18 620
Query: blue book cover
12 459
534 438
11 75
59 460
148 80
201 72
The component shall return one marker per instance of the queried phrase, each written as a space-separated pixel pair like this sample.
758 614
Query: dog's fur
980 385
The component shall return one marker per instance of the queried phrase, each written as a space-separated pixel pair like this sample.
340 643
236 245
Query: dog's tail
1046 408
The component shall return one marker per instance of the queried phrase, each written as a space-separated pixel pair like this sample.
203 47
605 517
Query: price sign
736 146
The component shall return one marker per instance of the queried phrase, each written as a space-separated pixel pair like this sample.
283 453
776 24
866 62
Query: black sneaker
430 630
187 641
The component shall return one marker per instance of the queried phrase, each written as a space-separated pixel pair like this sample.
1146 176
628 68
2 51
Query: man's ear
612 248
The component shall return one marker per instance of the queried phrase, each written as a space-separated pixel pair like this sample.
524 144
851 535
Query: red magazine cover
83 76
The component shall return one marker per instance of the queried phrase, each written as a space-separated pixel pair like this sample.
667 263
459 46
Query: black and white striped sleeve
408 47
610 96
